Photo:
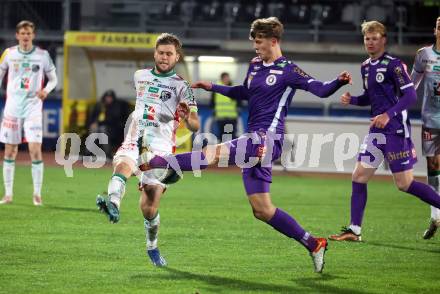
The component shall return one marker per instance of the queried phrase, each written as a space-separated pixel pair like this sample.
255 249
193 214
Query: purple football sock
425 193
189 161
358 202
287 225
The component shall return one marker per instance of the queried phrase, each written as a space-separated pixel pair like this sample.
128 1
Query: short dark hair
266 28
169 39
224 74
25 24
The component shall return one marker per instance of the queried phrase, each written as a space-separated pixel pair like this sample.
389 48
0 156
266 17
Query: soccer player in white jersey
162 99
27 66
427 68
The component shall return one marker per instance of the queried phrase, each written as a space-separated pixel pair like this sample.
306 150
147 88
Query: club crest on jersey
380 77
35 68
165 95
271 80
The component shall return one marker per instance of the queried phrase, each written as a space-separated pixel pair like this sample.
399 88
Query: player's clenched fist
203 85
183 110
42 94
345 98
345 77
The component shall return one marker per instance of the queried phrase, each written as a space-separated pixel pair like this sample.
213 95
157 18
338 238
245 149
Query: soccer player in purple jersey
389 91
270 83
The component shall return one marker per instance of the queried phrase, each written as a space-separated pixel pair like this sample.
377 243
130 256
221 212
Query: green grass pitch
210 239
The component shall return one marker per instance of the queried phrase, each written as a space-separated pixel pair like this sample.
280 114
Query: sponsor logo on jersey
149 124
300 72
153 90
436 68
35 67
385 62
25 83
399 73
145 83
149 112
282 64
167 87
271 80
153 95
165 95
250 77
16 67
429 61
398 155
436 89
380 77
277 72
25 64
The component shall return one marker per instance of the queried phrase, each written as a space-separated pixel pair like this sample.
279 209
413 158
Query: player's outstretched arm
234 92
207 86
324 90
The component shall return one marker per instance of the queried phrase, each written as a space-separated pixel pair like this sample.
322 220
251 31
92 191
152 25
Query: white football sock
355 229
433 181
116 189
151 231
8 176
37 176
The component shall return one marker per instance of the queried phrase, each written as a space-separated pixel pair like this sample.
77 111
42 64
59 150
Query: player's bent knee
359 178
263 214
402 185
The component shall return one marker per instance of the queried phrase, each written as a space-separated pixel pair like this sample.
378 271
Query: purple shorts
254 153
398 151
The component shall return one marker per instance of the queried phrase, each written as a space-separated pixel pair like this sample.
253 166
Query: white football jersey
26 73
157 98
427 64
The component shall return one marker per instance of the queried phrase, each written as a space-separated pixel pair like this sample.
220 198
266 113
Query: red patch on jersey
151 113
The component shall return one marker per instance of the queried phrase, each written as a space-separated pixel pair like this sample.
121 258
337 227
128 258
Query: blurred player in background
389 91
226 110
269 86
162 99
427 67
27 66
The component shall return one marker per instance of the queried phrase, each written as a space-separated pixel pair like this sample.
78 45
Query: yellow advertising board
109 39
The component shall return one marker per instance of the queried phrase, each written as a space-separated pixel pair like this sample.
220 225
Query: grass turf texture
210 239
